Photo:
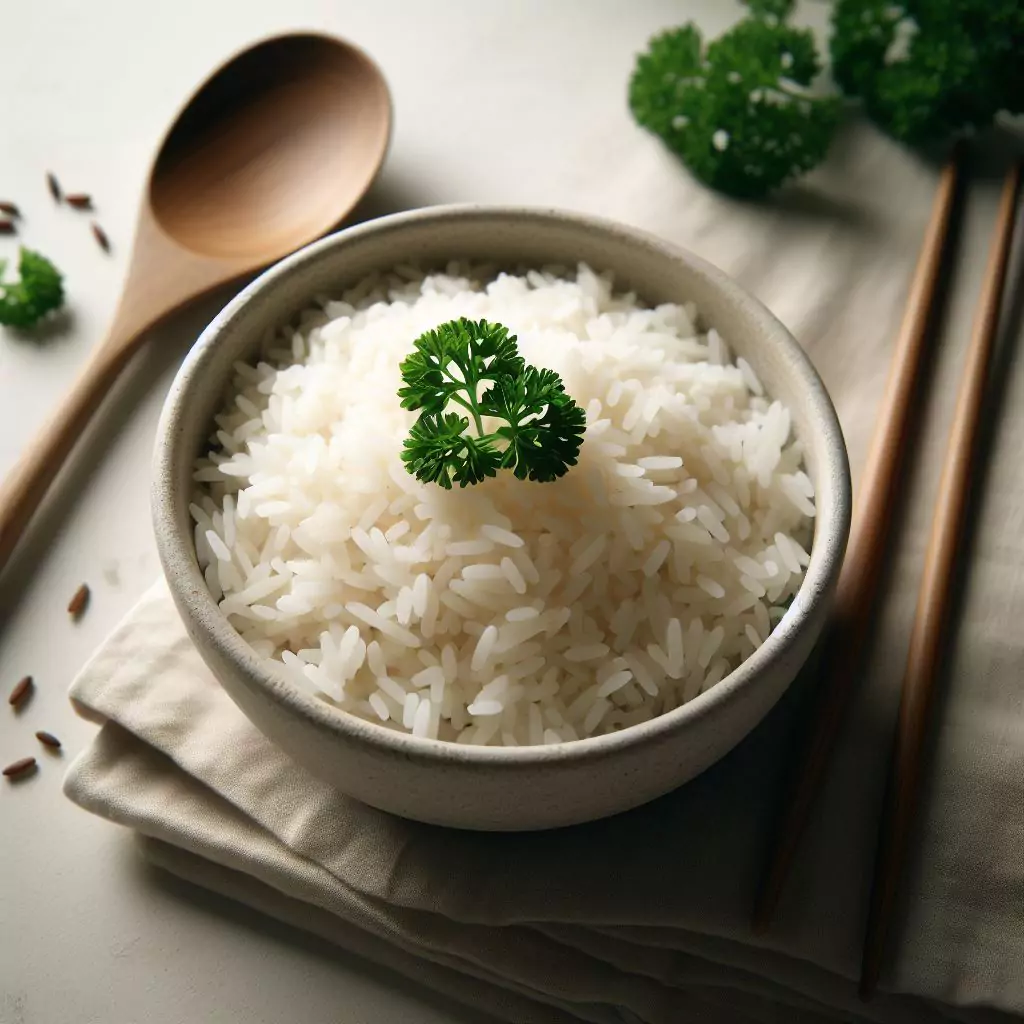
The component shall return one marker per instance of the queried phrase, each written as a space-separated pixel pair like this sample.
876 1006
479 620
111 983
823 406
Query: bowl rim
184 579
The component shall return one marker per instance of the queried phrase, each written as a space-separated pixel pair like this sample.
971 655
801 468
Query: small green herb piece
39 290
780 9
476 365
739 112
929 69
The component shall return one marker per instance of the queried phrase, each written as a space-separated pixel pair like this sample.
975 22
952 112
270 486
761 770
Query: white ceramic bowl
485 787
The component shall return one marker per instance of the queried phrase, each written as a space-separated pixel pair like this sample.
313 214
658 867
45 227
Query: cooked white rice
509 612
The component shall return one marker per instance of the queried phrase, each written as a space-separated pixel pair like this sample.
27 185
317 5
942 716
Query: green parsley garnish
477 366
930 69
738 111
39 291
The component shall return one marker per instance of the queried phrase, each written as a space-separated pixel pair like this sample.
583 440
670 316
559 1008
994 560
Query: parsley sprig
739 111
39 290
476 365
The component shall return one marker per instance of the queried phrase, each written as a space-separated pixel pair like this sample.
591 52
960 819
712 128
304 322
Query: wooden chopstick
926 642
861 571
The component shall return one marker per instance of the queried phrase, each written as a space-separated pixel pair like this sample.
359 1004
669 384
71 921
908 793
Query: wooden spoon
272 151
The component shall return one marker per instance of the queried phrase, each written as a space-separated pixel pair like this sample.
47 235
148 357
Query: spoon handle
161 278
25 485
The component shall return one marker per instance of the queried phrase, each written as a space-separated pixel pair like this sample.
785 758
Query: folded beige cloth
643 918
639 918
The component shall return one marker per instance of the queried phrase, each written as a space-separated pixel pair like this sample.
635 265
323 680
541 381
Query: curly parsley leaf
929 70
544 427
39 290
779 9
438 450
456 357
738 112
541 428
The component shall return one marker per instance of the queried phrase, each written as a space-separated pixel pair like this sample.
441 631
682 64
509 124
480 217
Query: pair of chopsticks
861 574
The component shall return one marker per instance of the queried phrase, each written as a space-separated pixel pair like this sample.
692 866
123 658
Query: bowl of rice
513 654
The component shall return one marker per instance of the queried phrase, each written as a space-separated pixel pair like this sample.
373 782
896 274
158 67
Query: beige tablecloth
644 917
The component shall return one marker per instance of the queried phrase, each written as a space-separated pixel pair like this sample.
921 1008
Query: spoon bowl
271 152
260 160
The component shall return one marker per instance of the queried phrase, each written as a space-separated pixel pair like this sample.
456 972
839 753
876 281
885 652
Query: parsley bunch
739 111
39 290
477 366
930 69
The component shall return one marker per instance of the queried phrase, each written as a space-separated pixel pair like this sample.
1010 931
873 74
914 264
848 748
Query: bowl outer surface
483 787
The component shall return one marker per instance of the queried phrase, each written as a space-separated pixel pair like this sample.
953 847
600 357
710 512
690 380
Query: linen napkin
643 917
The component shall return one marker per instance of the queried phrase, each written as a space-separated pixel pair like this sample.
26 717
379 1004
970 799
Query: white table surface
495 101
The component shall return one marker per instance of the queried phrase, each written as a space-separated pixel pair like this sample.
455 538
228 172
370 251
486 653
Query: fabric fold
640 917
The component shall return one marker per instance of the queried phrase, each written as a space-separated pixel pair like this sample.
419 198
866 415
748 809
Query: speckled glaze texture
482 787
